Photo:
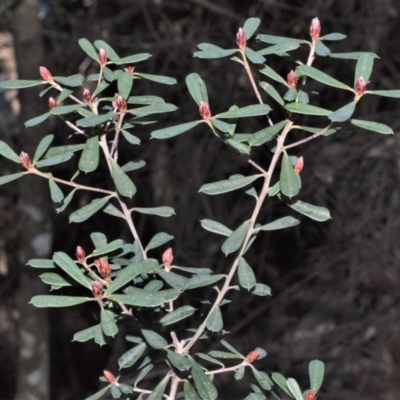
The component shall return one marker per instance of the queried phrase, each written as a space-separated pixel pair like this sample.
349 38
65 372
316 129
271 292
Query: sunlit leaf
294 389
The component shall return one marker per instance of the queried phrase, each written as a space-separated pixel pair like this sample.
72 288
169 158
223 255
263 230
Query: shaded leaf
55 192
90 209
160 211
272 92
177 315
267 134
40 263
261 290
321 77
111 54
321 49
316 213
154 339
37 120
143 298
215 322
289 180
268 71
372 126
55 160
280 380
279 39
131 356
281 223
201 280
236 238
333 36
174 280
202 382
210 54
108 324
386 93
88 48
41 149
107 248
90 157
344 113
100 393
9 178
7 152
279 48
189 392
301 108
364 67
125 83
239 374
166 80
254 56
172 131
248 111
216 227
95 120
158 240
130 138
178 361
133 59
54 279
263 379
197 88
227 185
122 181
246 275
20 84
133 165
158 391
351 55
71 81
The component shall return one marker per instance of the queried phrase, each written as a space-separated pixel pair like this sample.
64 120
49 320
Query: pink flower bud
291 79
311 395
120 103
46 74
53 102
87 95
241 39
315 29
299 165
80 254
25 160
102 57
97 289
130 69
204 110
109 376
253 355
361 86
103 267
167 258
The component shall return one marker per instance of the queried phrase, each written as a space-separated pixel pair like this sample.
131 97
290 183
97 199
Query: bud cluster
102 57
291 79
53 103
87 95
80 255
360 87
241 39
103 267
167 258
204 110
46 75
120 103
97 289
25 160
130 69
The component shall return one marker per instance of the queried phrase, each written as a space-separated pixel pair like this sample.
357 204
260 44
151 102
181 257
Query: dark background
335 285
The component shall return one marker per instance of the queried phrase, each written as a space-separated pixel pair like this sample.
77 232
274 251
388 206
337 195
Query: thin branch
321 132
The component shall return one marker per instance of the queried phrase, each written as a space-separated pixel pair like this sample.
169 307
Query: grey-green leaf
158 240
344 113
88 48
254 56
386 93
268 71
227 185
280 380
108 324
189 392
316 213
272 92
71 81
261 290
267 134
122 181
263 379
95 120
177 315
125 83
54 279
201 280
154 339
215 322
160 211
250 26
246 275
316 371
321 77
44 301
281 223
172 131
166 80
333 36
203 383
197 88
178 361
216 227
289 180
90 209
211 54
90 157
42 147
279 48
235 240
143 298
158 391
20 84
7 152
37 120
294 389
54 160
301 108
56 193
9 178
364 67
248 111
131 356
372 126
279 39
321 49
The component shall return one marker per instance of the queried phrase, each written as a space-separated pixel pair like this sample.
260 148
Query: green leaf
42 147
55 160
302 97
263 379
316 371
279 39
98 395
289 181
54 279
224 354
160 211
40 263
154 339
372 126
301 108
316 213
216 227
99 239
321 49
44 301
202 382
158 240
210 54
281 223
201 280
90 209
174 280
268 71
166 80
208 46
280 380
230 347
130 138
64 95
350 56
272 92
130 272
385 93
177 315
66 201
71 81
87 334
115 391
246 275
236 238
254 57
57 196
267 134
215 322
261 290
210 359
279 48
95 120
291 94
9 178
131 356
248 111
333 36
189 392
90 157
108 325
172 131
294 388
158 392
132 59
364 67
20 84
344 113
250 26
321 77
197 88
122 181
239 374
107 248
133 165
227 185
142 298
125 83
111 54
88 48
143 373
147 99
178 361
110 209
56 150
37 120
68 265
7 152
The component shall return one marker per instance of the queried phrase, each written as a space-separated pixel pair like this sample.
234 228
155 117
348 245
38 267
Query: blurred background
335 285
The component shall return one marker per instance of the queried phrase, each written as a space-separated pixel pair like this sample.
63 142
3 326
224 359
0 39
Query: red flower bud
253 355
241 39
109 376
80 254
120 103
87 95
25 160
315 29
299 165
130 69
46 74
204 110
53 102
167 258
97 289
360 88
103 267
291 79
311 395
102 57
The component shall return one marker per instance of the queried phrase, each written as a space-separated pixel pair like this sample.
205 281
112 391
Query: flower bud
291 79
46 74
167 258
80 254
130 69
241 39
120 103
87 95
109 376
299 165
361 86
204 110
252 356
97 289
315 29
311 395
102 57
103 267
25 160
53 102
